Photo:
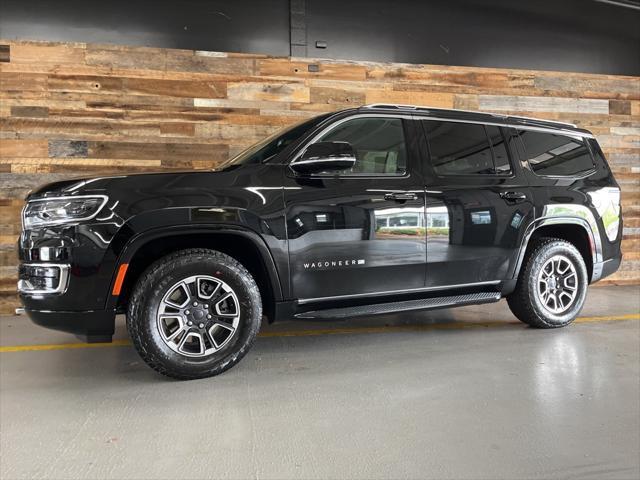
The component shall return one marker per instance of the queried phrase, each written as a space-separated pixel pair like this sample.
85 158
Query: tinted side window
379 145
466 148
556 155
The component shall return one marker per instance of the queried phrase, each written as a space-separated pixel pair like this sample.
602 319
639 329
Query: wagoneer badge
321 264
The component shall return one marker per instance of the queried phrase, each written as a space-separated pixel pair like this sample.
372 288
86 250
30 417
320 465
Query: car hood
130 183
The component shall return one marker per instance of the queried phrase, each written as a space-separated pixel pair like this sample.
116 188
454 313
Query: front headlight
53 211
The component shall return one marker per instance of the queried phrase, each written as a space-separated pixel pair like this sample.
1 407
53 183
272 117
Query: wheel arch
242 244
576 230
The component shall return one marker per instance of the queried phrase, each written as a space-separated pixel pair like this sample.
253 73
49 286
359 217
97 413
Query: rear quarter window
555 155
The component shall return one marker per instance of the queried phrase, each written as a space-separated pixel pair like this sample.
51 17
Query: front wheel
194 314
552 285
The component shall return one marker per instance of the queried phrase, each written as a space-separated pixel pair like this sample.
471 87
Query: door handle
513 196
400 197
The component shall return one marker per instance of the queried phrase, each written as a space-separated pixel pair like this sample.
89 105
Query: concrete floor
466 393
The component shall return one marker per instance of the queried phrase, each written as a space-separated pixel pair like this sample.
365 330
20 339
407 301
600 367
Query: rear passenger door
478 204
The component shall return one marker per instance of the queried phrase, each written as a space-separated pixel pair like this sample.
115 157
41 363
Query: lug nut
187 312
195 304
209 316
206 306
189 323
201 325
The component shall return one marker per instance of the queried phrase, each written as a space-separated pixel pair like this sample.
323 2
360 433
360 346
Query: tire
194 314
539 289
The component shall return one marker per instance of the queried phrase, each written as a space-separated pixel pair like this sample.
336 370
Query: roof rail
399 106
532 119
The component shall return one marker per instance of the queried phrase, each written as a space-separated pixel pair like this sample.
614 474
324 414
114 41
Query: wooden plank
5 53
283 67
178 128
268 91
68 148
589 86
432 99
209 62
337 96
129 86
113 56
20 148
23 82
160 151
620 107
29 111
49 126
543 104
175 88
47 53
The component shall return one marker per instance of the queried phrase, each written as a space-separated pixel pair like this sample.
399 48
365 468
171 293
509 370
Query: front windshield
271 146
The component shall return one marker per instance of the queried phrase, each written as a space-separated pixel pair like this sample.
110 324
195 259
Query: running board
408 305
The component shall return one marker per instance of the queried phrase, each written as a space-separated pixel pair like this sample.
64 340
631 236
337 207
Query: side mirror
325 156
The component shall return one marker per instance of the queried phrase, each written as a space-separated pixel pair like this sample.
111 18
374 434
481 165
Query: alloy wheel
558 284
198 316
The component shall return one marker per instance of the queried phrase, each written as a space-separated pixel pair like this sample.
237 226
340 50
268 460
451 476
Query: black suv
378 209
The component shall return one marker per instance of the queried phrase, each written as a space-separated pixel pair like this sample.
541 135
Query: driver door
359 231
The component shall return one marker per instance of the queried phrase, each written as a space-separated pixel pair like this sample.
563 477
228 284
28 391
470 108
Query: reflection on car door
359 231
477 204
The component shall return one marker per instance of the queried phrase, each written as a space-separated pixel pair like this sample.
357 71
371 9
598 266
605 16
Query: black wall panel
250 26
568 35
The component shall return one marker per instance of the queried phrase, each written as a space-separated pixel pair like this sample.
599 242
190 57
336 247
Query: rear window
556 155
458 148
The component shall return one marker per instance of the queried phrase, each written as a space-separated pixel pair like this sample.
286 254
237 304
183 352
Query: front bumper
92 325
64 279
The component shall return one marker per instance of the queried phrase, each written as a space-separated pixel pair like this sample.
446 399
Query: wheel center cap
552 282
198 314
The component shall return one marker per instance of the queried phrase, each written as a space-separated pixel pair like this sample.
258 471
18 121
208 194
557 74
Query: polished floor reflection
467 393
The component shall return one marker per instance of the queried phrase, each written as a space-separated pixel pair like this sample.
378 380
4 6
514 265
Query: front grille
42 278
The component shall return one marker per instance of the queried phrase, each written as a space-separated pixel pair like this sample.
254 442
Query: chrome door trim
303 301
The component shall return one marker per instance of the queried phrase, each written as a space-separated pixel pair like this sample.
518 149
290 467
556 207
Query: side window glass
459 148
556 155
378 142
500 155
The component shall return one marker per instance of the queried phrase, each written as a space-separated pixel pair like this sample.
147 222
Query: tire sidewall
168 274
544 254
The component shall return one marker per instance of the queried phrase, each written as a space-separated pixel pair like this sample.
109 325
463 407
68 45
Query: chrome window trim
104 198
63 283
303 301
557 131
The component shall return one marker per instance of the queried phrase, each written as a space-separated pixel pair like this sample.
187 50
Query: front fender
129 247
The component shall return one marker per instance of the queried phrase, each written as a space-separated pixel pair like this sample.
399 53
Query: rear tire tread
520 301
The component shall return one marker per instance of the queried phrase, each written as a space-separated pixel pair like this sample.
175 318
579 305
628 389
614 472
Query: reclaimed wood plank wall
69 109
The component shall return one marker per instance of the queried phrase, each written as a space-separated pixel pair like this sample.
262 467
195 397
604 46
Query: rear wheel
194 314
552 284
